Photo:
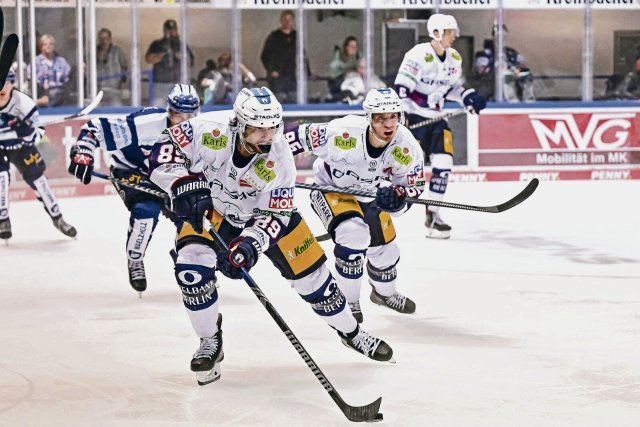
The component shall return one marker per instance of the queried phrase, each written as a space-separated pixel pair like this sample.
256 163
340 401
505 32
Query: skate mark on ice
8 390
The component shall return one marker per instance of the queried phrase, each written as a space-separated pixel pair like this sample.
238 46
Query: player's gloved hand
242 252
434 98
391 199
22 128
81 163
192 200
473 100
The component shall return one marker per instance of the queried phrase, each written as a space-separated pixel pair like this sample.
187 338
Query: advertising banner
559 138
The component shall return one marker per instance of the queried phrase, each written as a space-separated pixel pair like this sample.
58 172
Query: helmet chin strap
381 141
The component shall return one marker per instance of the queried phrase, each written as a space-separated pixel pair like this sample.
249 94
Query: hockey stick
514 201
353 413
7 54
82 113
432 120
159 194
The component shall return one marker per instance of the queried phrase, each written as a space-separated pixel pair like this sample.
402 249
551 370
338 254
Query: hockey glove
391 199
243 252
473 100
81 163
192 200
22 128
434 98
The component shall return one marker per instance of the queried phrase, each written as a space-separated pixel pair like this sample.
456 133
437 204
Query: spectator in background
629 88
165 55
52 73
225 66
211 84
353 88
111 69
345 59
279 59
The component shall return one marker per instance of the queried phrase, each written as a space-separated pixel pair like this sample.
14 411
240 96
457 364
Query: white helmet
183 99
259 108
439 22
382 100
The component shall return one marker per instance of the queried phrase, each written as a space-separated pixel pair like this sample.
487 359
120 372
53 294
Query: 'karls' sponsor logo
181 134
215 140
401 155
344 142
604 131
281 198
264 169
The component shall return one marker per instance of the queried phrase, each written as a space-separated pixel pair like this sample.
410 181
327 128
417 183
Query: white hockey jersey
19 108
423 73
129 139
344 161
260 189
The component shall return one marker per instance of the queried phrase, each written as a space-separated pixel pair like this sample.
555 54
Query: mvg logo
560 130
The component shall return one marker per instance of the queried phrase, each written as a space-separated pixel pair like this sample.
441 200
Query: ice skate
206 360
356 311
436 227
397 302
5 230
66 228
372 347
137 276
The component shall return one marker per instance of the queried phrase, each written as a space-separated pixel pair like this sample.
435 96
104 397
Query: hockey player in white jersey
375 153
234 168
19 132
430 74
129 140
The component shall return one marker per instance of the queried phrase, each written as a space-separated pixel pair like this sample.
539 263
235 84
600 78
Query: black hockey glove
243 252
391 199
22 128
473 100
81 163
192 200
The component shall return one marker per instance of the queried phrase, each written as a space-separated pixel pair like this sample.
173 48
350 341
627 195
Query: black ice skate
5 230
66 228
356 311
372 347
206 360
436 227
397 302
137 276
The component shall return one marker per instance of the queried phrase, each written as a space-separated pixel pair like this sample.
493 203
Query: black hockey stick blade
519 198
368 413
9 49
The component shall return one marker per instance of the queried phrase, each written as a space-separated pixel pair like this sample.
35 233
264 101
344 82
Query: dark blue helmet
183 99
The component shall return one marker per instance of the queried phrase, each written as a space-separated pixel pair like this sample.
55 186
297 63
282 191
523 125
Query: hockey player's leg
195 274
5 223
142 222
327 300
381 267
32 167
441 165
351 239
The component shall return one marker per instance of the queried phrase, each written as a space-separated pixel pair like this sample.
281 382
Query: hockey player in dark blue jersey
129 140
19 132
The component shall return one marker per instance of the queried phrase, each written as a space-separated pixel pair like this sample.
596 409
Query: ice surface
530 317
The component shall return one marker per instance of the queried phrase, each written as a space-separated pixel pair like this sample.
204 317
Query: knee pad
353 233
328 299
197 284
385 275
349 262
146 209
384 256
441 168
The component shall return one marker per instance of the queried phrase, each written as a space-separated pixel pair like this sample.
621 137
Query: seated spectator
629 88
211 84
52 73
111 69
353 88
345 59
225 67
